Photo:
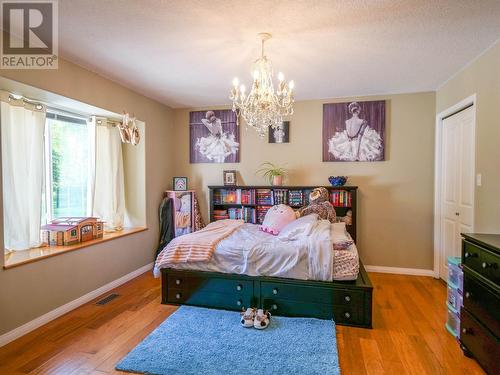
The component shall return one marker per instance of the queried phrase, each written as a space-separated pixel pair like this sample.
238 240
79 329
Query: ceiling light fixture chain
263 107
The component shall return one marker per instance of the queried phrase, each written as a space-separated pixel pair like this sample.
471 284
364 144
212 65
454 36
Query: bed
296 278
251 252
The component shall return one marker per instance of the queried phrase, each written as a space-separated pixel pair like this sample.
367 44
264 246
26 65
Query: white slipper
247 317
262 319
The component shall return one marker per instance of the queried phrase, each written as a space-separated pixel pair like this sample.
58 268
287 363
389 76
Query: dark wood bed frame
346 302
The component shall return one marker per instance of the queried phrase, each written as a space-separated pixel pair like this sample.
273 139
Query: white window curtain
108 189
22 133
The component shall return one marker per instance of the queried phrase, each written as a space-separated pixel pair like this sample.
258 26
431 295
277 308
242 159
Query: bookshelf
251 203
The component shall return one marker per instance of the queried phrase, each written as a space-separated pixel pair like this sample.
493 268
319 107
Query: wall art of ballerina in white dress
358 139
218 145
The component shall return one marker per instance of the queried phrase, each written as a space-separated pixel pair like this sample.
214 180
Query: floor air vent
107 299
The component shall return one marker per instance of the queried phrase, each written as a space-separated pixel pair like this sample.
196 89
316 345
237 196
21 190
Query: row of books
248 214
234 196
280 196
265 197
220 214
261 213
341 198
296 198
271 197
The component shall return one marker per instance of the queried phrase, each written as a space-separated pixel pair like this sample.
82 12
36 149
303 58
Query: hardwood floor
408 335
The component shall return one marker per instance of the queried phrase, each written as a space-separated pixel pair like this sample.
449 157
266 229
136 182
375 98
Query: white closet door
457 184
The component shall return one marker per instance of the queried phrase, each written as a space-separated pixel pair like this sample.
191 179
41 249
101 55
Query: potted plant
272 173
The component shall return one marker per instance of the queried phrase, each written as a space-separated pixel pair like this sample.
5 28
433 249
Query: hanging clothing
198 219
22 129
166 223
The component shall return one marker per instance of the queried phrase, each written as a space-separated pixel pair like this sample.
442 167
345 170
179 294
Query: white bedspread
253 252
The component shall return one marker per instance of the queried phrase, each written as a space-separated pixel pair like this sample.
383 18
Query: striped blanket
197 246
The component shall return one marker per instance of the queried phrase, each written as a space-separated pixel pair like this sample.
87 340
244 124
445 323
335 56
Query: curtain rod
39 105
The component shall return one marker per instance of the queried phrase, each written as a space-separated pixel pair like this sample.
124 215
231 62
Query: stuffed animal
277 217
347 219
319 203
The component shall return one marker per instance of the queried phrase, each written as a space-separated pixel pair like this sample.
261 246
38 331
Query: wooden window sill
18 258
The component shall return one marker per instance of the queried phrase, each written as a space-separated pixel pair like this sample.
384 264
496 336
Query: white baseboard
400 271
61 310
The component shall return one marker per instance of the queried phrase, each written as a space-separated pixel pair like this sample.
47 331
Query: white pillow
300 227
339 233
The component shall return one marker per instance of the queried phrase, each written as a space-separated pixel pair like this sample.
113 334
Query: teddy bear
319 203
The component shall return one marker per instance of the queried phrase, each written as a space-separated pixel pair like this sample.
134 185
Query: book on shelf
261 213
306 196
246 214
265 197
341 198
280 196
295 198
234 196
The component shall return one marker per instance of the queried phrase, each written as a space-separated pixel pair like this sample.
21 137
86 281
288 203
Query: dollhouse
71 230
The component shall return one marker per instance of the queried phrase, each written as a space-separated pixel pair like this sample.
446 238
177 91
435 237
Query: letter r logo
28 28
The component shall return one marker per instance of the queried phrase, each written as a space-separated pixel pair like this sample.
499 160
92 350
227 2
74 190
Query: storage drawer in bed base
347 302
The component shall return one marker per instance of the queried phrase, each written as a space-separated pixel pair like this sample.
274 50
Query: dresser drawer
489 265
330 296
481 260
209 299
284 291
478 340
217 285
292 308
471 256
483 302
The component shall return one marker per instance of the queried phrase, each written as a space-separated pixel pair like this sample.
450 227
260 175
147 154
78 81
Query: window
67 160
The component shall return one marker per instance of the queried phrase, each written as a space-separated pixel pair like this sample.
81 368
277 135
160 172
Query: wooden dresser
480 315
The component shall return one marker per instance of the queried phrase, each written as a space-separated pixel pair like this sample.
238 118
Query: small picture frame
180 183
281 134
230 178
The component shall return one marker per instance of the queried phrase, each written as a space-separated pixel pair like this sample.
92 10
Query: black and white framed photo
180 183
354 131
214 137
281 134
230 178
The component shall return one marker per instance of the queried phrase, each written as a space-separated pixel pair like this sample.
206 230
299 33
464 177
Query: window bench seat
17 258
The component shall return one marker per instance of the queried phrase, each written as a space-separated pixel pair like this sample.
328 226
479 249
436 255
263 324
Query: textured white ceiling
185 53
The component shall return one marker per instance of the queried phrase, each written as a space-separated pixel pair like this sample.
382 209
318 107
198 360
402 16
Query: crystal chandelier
263 107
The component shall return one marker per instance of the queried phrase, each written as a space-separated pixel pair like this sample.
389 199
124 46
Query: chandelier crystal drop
263 107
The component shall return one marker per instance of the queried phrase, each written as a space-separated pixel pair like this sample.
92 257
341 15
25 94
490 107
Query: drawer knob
347 315
274 307
347 298
470 255
239 287
467 331
468 294
489 265
178 296
239 302
275 291
178 282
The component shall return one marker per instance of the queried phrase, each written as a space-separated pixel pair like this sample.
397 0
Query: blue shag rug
195 340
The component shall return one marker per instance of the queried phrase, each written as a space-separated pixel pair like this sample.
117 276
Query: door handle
457 213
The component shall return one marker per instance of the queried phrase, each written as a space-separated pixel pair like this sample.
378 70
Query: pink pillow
277 218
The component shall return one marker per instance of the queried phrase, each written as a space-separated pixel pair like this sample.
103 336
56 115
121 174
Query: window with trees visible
67 167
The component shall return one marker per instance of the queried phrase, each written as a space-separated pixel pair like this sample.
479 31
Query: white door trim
471 100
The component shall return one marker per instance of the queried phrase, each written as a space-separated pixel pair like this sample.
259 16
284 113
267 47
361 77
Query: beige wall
482 78
31 290
396 196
